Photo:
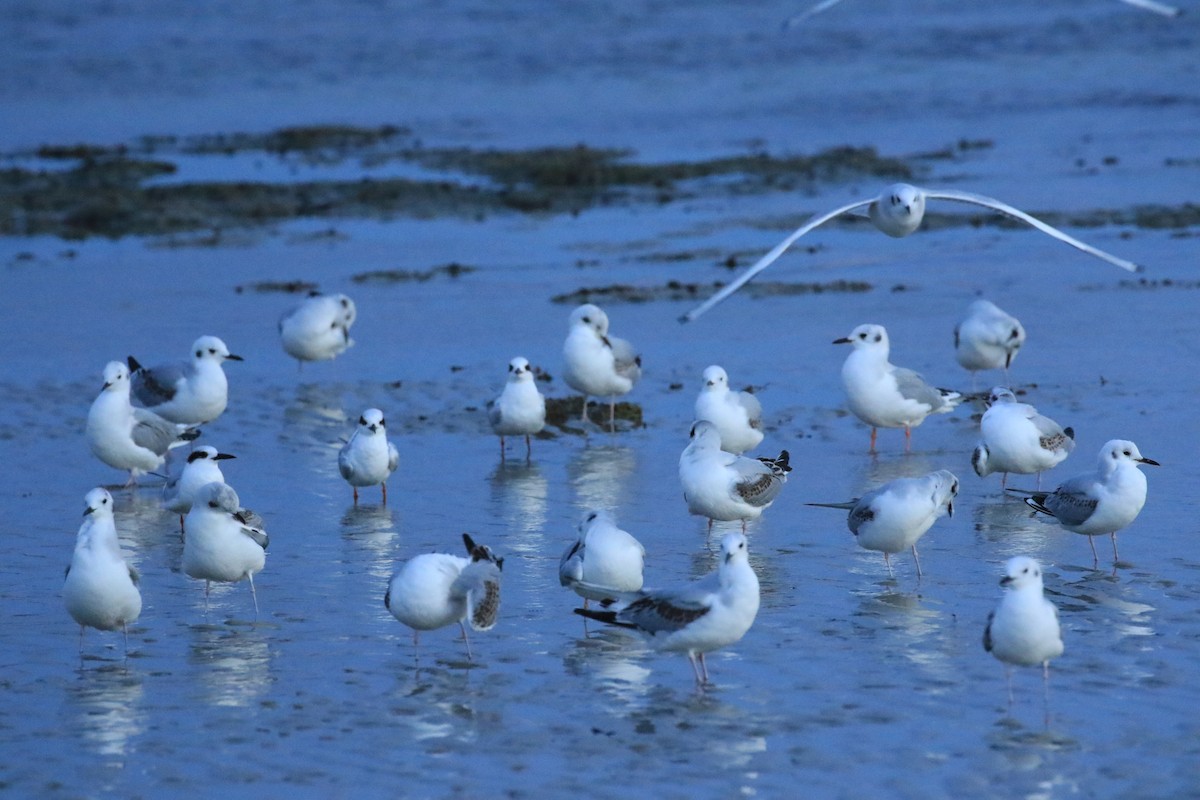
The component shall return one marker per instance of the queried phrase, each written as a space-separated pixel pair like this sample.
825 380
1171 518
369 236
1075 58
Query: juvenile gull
604 563
894 516
433 590
724 486
126 437
883 395
1016 438
224 541
1024 629
988 338
318 329
191 392
703 616
201 468
368 458
101 590
597 364
1104 501
737 415
898 212
520 410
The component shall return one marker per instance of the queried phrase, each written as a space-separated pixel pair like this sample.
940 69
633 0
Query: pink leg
907 439
874 432
384 485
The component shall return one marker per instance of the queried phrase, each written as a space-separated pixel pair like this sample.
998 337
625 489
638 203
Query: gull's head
593 518
734 547
97 503
207 453
217 496
904 200
348 312
481 552
1000 394
945 489
715 379
590 316
1021 572
210 348
1122 451
704 435
519 370
372 421
116 377
867 337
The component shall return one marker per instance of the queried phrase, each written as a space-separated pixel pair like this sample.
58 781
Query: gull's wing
1071 504
153 432
753 408
666 611
913 387
825 5
758 483
1148 5
393 457
1051 435
344 465
987 632
570 566
479 583
495 415
626 360
1016 213
155 385
769 258
251 523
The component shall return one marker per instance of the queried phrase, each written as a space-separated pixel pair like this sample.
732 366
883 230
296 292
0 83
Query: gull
433 590
101 590
520 410
224 541
1016 438
368 458
884 395
1154 6
596 363
737 415
724 486
201 468
319 328
892 517
191 392
703 616
1024 629
126 437
898 212
1104 501
604 563
824 5
988 338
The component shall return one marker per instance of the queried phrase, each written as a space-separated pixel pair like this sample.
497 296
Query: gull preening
224 541
368 458
898 212
1016 438
1024 629
433 590
727 487
883 395
1100 502
202 468
703 616
737 415
101 589
520 410
318 329
192 392
597 364
126 437
894 516
988 338
604 563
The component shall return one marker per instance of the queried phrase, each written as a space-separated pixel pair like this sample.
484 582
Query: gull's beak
88 510
221 456
1149 461
232 357
1006 580
843 340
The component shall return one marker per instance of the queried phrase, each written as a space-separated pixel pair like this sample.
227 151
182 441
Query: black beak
222 456
232 357
1006 580
1149 461
843 340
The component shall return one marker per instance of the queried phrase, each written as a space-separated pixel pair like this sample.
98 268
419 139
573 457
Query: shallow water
852 681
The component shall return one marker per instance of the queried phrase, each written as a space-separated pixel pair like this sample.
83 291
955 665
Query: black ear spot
878 337
199 353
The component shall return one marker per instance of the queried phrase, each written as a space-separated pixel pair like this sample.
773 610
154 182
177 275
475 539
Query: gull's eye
104 502
588 320
1128 453
212 350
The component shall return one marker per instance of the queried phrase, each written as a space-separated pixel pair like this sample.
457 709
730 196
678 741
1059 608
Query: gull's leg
907 439
384 485
917 559
355 488
1046 690
888 560
466 641
1008 680
1114 542
253 594
695 668
1095 558
501 448
612 415
704 667
584 417
528 449
874 432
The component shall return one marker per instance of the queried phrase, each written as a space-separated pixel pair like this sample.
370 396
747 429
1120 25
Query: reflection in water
372 528
519 494
881 469
1010 528
441 709
918 630
599 475
315 422
234 665
108 705
610 659
1096 589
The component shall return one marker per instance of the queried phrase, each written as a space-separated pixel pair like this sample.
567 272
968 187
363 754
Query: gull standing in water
892 517
1016 438
126 437
1024 629
520 410
191 392
368 458
224 541
319 328
604 563
703 616
723 486
737 415
898 212
101 590
201 468
884 395
433 590
1100 502
598 364
988 338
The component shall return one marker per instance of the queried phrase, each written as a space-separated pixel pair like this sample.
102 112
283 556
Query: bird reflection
519 495
108 704
372 529
610 659
234 666
1008 525
599 475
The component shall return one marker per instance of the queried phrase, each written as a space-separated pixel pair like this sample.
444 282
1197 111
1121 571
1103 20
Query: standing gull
319 328
737 415
520 410
126 437
898 212
892 517
368 458
202 467
596 363
604 563
1016 438
1024 629
988 338
1104 501
723 486
884 395
224 541
101 590
433 590
703 616
193 391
